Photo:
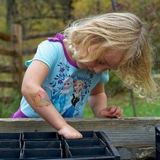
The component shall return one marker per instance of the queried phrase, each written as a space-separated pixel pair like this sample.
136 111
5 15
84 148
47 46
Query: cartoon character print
64 94
76 96
78 86
62 98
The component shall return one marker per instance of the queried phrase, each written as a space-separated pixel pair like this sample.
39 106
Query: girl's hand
69 132
111 112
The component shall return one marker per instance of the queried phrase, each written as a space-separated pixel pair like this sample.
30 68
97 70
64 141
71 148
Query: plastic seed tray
51 146
157 136
10 136
39 144
10 144
39 136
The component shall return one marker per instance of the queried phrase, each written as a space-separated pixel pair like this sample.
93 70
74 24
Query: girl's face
109 60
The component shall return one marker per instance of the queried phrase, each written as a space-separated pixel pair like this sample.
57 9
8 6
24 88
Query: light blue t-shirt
67 86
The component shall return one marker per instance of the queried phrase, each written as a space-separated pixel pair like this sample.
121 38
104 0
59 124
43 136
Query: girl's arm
40 102
98 102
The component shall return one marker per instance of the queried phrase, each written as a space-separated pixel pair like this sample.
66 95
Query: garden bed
134 138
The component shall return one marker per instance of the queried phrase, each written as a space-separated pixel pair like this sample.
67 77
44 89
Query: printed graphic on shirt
76 96
67 92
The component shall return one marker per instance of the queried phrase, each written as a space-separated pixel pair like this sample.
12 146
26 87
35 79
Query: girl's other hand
69 132
111 112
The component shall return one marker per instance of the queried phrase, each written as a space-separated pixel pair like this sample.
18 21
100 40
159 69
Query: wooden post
16 45
114 5
133 103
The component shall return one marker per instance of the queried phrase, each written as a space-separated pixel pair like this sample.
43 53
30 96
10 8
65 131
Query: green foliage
6 110
149 12
114 85
84 8
2 17
123 100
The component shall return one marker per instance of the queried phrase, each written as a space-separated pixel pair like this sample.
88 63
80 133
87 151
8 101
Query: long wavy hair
124 32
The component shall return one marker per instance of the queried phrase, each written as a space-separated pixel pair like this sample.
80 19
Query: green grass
6 110
123 100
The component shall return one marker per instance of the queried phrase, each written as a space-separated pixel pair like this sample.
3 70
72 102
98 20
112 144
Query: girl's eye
100 62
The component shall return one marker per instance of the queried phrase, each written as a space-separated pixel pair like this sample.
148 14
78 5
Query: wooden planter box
134 138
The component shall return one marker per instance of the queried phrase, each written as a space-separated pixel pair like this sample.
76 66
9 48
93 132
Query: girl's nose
97 70
100 69
91 68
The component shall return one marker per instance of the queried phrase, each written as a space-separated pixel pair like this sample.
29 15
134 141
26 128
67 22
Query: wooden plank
157 76
7 52
8 84
40 35
127 132
29 51
16 45
5 37
6 100
8 69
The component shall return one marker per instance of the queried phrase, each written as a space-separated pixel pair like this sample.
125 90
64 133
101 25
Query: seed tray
89 134
88 152
41 144
51 146
10 136
39 136
83 143
42 153
93 145
157 137
10 144
10 154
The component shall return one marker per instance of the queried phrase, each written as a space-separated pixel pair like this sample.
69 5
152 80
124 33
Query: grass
123 100
6 110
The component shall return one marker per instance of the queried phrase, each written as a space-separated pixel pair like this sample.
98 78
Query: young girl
87 50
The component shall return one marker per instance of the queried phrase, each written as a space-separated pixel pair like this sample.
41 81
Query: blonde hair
121 31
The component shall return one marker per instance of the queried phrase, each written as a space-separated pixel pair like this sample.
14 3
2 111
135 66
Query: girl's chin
82 67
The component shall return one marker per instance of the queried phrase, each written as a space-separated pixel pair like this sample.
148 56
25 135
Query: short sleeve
104 77
46 52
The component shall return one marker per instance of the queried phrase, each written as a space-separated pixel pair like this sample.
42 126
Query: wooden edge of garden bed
131 136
